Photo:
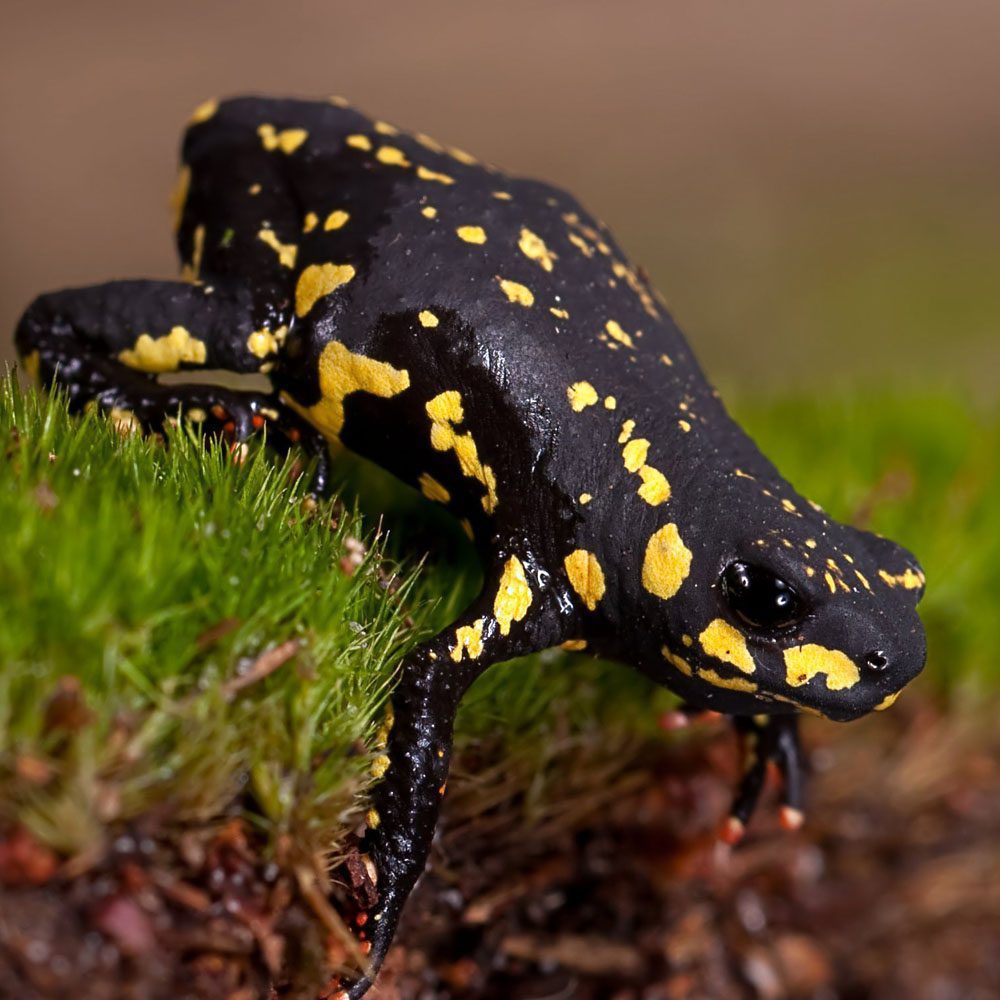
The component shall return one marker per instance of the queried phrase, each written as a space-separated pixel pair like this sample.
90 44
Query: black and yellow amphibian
486 340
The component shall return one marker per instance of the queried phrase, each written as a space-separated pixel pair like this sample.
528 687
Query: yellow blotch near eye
204 111
178 197
667 562
432 175
560 313
634 454
287 252
909 580
732 683
513 595
617 333
384 128
288 140
336 219
585 576
726 643
468 641
802 663
340 374
166 353
517 292
429 212
678 661
379 766
655 489
471 234
427 318
310 222
574 645
361 142
533 247
585 498
392 157
317 281
432 489
888 701
261 343
626 432
445 410
581 395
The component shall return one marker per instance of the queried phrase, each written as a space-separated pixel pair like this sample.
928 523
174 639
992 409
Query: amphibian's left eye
760 598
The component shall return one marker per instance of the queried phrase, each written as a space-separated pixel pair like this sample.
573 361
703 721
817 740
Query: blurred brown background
813 185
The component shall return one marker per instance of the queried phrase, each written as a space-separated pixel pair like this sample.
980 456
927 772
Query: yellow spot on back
359 142
204 111
830 582
384 128
581 244
429 212
468 640
574 645
462 156
471 234
626 432
392 157
684 426
789 506
667 562
513 595
617 333
585 576
502 195
428 142
32 364
863 579
810 543
445 410
380 765
610 403
317 281
533 247
655 489
310 222
560 313
802 663
581 395
427 318
336 219
726 643
287 252
288 140
340 374
432 489
166 353
634 454
432 175
665 358
178 196
585 498
261 343
516 292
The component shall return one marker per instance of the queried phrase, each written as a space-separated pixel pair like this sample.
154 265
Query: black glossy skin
538 463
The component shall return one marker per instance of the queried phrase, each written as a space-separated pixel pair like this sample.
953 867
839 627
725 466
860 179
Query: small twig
262 667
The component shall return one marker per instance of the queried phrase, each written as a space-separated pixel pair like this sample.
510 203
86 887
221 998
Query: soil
892 889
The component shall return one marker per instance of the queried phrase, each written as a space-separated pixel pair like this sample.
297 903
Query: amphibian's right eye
760 598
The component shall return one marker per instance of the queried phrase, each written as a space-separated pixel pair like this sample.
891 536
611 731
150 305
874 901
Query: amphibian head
782 606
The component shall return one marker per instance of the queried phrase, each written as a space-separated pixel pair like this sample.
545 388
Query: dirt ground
892 889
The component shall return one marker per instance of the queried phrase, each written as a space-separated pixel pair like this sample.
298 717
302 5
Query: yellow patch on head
445 410
166 353
340 374
361 142
678 661
178 197
516 292
610 403
667 562
468 641
432 175
627 427
392 157
726 643
427 318
513 595
909 580
732 683
655 489
287 252
574 645
533 247
617 333
204 111
888 701
804 662
581 395
585 498
634 454
309 222
336 219
585 576
471 234
429 212
288 140
432 489
317 281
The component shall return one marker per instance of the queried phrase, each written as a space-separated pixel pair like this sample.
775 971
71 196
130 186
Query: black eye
759 598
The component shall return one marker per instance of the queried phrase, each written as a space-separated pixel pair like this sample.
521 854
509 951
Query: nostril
876 660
